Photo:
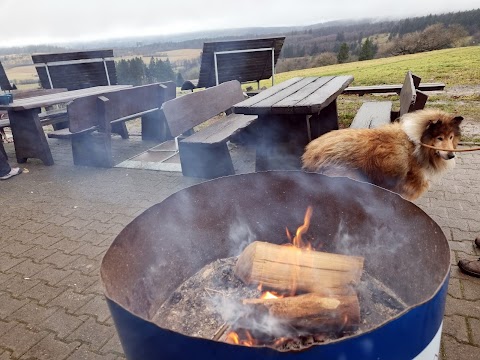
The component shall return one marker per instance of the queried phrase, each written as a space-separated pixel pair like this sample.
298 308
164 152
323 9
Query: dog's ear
457 120
432 123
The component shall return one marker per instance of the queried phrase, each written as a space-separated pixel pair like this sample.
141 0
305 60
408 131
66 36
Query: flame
279 341
269 295
289 235
234 338
297 240
302 229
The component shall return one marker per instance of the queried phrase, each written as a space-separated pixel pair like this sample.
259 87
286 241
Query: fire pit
403 249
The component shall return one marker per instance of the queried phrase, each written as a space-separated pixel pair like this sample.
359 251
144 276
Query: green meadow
457 66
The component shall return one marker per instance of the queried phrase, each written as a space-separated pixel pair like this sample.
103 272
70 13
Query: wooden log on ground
312 312
290 269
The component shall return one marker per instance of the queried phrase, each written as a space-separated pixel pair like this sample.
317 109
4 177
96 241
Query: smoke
239 316
240 235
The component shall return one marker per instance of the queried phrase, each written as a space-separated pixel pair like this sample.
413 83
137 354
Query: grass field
458 66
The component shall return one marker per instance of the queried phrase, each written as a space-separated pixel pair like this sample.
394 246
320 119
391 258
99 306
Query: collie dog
391 156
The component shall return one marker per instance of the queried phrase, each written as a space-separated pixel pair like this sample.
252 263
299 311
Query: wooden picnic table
28 136
291 114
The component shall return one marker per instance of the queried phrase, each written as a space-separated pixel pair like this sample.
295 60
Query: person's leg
471 267
4 166
6 172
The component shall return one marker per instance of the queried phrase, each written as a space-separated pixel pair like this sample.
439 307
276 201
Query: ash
193 309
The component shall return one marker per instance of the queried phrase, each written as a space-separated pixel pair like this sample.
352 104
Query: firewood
312 311
291 269
273 265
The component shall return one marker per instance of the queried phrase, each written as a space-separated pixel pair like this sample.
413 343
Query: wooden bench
376 113
205 153
92 120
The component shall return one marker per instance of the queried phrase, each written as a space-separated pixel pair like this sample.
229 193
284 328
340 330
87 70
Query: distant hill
300 40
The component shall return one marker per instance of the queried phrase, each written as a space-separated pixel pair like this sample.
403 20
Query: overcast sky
48 21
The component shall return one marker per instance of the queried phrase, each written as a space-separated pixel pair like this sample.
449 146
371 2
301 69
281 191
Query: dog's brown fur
389 156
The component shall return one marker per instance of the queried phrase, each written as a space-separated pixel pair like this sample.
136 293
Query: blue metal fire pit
167 244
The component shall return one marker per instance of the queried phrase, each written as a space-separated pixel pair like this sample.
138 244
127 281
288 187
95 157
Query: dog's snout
450 155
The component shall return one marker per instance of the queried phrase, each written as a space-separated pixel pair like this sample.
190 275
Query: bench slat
382 89
60 134
372 114
222 130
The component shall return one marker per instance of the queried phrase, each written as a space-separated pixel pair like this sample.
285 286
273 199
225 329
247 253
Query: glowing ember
268 295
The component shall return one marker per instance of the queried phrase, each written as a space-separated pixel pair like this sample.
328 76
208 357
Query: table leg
281 140
154 127
325 121
28 136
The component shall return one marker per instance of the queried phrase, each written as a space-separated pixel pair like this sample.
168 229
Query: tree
433 37
180 80
343 53
324 59
137 71
367 51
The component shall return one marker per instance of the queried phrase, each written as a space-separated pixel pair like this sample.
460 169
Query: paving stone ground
56 222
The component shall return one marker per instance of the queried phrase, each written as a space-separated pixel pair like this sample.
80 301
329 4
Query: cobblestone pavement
56 223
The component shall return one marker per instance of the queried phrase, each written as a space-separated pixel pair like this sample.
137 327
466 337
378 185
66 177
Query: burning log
312 311
288 268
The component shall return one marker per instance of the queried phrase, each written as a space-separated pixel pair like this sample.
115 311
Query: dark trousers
4 166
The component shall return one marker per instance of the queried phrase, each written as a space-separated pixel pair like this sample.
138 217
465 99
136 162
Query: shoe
470 267
477 241
13 172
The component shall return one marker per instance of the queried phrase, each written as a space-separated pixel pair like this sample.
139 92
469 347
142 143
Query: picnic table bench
376 113
205 153
92 119
390 88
